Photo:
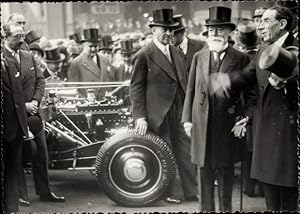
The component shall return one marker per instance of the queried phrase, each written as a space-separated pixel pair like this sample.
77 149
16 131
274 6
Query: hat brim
230 24
129 52
53 61
180 29
105 49
163 25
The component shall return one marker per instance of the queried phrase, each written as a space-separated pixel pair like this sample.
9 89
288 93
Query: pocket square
17 74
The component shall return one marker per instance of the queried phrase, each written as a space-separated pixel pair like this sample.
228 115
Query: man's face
127 58
269 27
19 20
16 39
54 66
37 55
218 37
178 37
91 48
162 34
106 53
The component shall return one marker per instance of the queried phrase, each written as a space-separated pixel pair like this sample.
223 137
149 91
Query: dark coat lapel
91 66
180 68
161 60
227 61
24 62
205 68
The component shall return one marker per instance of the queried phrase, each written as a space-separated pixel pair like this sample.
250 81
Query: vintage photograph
149 106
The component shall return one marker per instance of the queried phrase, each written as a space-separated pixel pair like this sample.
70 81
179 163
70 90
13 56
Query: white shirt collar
223 53
281 40
161 46
184 45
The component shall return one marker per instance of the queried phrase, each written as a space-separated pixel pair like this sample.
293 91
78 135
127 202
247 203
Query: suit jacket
193 47
196 105
14 115
154 83
275 132
84 69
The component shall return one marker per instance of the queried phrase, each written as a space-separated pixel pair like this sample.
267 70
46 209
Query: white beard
217 44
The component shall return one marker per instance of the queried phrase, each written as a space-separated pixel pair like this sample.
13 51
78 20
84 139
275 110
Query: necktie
16 55
166 52
217 59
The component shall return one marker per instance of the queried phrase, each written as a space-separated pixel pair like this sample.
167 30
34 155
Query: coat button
17 106
174 84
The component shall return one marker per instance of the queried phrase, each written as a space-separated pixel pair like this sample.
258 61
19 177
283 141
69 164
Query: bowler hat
36 47
219 16
76 37
247 34
52 55
105 42
163 17
127 46
90 35
178 18
31 37
279 61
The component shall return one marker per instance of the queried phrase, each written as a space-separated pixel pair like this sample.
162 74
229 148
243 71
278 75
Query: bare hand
31 107
141 126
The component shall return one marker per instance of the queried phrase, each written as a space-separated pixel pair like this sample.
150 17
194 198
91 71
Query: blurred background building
59 20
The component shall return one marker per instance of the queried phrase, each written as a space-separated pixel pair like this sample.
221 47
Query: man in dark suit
14 118
90 66
157 93
188 46
208 119
33 90
274 161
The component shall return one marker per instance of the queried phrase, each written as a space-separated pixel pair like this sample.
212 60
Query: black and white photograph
150 106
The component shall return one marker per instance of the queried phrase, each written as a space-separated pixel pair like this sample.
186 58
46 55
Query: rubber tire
163 154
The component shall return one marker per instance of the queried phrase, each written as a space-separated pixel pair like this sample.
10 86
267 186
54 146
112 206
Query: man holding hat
275 70
209 119
157 90
90 66
188 46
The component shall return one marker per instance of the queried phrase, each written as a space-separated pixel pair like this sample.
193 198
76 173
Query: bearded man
213 145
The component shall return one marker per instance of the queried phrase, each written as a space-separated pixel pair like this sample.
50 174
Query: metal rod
126 83
73 124
75 135
85 83
65 135
81 87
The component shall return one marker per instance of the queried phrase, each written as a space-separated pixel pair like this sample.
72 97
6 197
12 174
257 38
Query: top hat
127 46
53 55
279 61
259 12
219 16
178 18
293 6
90 35
105 42
76 37
31 37
247 34
36 47
163 17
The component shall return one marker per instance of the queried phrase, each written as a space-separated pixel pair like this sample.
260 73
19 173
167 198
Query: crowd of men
215 102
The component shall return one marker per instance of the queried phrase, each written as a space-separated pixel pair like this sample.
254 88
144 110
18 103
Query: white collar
281 40
184 45
160 46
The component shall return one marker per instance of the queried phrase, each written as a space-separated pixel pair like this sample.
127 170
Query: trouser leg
225 179
272 197
289 198
207 189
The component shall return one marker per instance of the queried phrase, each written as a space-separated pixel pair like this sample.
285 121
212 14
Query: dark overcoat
154 83
193 47
196 106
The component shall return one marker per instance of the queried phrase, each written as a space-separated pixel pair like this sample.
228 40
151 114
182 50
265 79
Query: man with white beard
209 119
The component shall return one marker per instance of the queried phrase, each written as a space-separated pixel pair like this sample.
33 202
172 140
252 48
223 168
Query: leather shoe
172 199
23 202
52 197
192 198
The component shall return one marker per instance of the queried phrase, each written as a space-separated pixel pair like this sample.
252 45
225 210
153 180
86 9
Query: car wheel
135 170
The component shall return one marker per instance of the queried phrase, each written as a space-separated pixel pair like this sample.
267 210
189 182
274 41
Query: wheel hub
135 170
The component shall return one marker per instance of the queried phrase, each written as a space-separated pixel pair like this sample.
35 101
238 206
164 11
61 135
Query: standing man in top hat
188 46
90 66
106 46
53 59
274 161
157 90
208 119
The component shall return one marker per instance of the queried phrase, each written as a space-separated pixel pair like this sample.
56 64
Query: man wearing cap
90 66
38 54
14 116
188 46
157 90
208 119
275 70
